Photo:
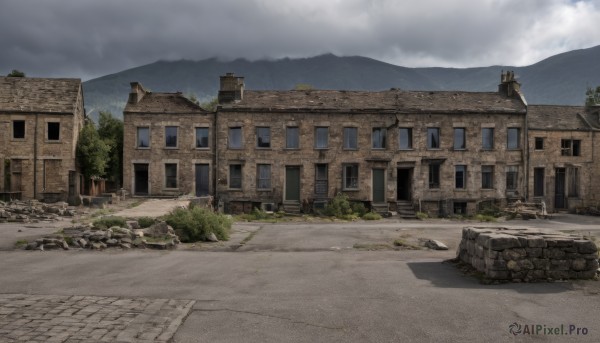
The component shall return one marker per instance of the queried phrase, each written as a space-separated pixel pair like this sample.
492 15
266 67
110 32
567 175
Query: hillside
560 79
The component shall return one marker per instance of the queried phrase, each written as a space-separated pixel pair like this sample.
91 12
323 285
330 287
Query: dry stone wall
528 254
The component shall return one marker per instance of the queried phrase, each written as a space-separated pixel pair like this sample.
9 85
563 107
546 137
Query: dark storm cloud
87 38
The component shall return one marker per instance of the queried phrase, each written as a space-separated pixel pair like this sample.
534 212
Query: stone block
525 264
514 254
560 265
536 242
558 274
513 266
554 253
578 264
591 264
534 252
498 274
491 253
541 264
492 264
585 246
501 242
536 274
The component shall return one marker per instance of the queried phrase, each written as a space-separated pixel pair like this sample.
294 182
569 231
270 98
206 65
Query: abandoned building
167 145
40 120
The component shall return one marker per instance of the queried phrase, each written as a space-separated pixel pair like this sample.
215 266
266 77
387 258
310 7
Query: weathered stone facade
163 168
41 119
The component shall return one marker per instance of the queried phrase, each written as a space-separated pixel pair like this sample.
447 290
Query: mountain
561 79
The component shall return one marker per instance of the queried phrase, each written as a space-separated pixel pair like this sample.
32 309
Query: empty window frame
201 137
538 182
263 176
512 177
235 176
459 207
235 137
487 177
434 175
406 138
170 175
378 137
350 176
487 138
171 136
460 176
292 137
539 143
570 147
263 137
143 137
433 138
321 179
351 138
460 139
18 127
53 131
321 137
513 138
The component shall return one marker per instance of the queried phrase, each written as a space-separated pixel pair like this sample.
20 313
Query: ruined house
167 147
40 120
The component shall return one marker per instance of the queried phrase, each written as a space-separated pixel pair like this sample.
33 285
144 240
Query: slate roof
39 95
392 100
555 117
164 103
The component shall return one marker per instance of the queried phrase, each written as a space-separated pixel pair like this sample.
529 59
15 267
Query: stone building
40 119
439 152
168 145
563 163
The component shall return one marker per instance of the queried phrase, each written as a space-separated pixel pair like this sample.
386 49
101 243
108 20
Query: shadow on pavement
446 275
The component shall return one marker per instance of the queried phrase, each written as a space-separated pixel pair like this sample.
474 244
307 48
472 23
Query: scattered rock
213 238
435 245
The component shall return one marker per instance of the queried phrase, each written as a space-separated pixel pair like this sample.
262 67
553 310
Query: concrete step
292 207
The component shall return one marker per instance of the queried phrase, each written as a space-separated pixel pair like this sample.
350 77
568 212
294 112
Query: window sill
207 148
488 150
142 148
513 149
260 148
488 189
52 142
170 189
379 149
234 189
350 149
321 148
264 189
406 149
434 149
434 189
291 148
350 189
231 148
460 149
171 148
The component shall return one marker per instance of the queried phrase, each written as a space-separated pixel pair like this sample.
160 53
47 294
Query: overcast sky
91 38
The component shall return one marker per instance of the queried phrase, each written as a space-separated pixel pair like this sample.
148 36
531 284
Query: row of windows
171 137
378 138
487 176
568 147
52 130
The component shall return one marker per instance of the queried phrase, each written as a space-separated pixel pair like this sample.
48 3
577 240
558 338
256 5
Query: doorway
140 174
559 189
378 186
202 180
404 184
292 184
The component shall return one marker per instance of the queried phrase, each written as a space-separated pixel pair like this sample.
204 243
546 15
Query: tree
592 96
16 73
92 152
210 105
303 87
110 130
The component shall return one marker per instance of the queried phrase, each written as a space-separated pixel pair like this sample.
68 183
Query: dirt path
152 208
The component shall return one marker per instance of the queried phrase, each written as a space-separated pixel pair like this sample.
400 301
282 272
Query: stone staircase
383 209
405 209
292 207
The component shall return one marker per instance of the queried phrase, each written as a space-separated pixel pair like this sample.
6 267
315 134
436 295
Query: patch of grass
249 237
136 203
106 222
262 216
371 216
68 240
359 209
485 218
401 243
102 212
372 246
422 215
20 243
145 222
157 239
196 224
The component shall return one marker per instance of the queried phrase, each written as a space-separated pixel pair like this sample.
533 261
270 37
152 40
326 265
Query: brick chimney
137 93
508 85
232 88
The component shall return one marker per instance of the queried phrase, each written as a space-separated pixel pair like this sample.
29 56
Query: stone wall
528 254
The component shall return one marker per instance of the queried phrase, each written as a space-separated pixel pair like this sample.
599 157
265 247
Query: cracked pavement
291 282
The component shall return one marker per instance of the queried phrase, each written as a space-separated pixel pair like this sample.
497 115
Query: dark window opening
539 143
459 138
379 137
538 182
18 129
264 176
170 175
235 137
292 139
487 138
512 173
350 138
351 176
434 176
460 207
171 136
487 177
201 137
321 179
263 137
143 137
460 176
235 176
406 138
321 137
513 138
433 138
570 147
53 131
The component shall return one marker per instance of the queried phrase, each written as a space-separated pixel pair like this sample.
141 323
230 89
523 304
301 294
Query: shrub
359 208
422 215
110 221
485 218
196 224
338 206
371 216
490 209
145 222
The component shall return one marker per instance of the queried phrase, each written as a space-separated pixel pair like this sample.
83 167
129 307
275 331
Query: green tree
16 73
592 96
110 130
92 152
210 105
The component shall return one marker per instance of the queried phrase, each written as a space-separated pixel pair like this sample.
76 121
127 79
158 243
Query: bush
422 215
145 222
110 221
371 216
485 218
490 209
359 208
338 207
196 224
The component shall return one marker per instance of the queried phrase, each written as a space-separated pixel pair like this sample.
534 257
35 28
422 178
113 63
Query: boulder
436 245
213 238
160 229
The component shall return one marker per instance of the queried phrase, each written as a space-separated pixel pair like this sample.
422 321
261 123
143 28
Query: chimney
232 88
137 93
508 85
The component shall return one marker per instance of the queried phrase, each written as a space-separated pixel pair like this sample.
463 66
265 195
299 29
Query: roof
392 100
174 103
39 95
556 117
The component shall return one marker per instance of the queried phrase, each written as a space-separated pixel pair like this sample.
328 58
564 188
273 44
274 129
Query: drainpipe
35 137
527 153
215 156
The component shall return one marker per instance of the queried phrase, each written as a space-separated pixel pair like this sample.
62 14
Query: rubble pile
157 236
527 210
528 254
33 211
